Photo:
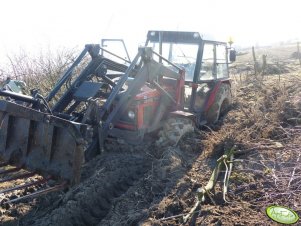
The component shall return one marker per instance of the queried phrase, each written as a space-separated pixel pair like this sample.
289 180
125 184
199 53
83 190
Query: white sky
35 24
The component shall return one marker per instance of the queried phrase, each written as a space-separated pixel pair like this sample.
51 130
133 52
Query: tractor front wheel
173 130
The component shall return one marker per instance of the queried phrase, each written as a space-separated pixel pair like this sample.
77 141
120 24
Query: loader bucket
41 142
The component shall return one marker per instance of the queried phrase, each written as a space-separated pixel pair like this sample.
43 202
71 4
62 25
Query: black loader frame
51 140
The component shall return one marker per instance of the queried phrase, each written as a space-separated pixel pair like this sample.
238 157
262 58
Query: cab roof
174 37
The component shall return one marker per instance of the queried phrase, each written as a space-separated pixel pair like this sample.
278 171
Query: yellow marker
230 41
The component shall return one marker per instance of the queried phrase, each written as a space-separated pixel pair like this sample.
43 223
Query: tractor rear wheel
173 130
220 105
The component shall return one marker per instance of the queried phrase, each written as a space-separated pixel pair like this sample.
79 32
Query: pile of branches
270 133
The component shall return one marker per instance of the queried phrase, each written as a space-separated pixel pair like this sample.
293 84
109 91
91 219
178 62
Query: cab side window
214 62
207 67
221 62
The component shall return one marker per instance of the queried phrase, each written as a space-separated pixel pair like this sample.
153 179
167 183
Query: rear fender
214 91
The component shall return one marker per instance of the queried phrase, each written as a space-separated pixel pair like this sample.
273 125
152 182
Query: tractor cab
205 63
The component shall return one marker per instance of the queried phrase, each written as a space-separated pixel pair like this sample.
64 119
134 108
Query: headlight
131 114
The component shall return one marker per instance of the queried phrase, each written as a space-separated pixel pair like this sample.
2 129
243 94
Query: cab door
214 63
214 67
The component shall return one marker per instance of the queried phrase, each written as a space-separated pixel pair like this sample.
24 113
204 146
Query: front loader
176 78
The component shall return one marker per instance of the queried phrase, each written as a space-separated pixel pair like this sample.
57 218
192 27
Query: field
147 185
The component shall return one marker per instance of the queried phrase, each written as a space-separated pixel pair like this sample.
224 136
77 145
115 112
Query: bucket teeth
21 176
2 164
10 170
23 186
14 174
37 193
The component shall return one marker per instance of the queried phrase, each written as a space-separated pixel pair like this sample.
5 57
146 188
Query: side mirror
232 55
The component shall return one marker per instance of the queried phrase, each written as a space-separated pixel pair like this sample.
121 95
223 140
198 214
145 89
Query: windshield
182 55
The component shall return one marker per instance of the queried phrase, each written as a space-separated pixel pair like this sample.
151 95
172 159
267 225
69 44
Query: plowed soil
148 185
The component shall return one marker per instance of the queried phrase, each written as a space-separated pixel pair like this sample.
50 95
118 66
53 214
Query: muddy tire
173 130
220 105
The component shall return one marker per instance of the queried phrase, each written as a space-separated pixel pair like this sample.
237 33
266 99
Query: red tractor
200 92
175 82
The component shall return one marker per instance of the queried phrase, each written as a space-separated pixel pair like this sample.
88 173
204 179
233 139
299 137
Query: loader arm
150 72
98 66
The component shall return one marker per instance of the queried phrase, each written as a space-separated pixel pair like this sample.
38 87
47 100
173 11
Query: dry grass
265 126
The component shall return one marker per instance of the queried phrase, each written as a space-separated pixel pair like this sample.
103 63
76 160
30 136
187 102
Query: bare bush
41 71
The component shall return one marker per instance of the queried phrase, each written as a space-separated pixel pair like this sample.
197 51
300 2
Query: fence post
264 64
255 61
298 51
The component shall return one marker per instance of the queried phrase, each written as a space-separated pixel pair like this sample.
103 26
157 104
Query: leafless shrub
41 71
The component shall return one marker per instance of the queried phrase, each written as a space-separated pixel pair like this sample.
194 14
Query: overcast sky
35 24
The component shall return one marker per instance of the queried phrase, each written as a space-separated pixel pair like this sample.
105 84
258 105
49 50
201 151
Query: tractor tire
220 105
173 130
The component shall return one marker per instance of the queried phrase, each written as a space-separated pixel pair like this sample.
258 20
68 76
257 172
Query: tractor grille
147 114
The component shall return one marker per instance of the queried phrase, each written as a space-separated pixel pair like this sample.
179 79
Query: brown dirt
149 185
